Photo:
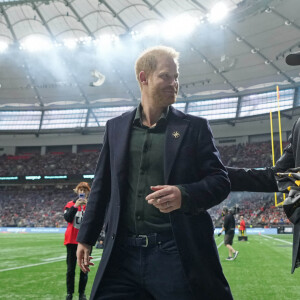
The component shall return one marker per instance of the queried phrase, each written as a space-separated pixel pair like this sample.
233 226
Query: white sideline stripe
39 264
220 244
55 258
32 265
270 237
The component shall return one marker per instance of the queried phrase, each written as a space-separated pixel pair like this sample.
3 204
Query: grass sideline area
32 266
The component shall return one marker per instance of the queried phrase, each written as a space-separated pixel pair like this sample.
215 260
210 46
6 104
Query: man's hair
82 185
147 61
225 209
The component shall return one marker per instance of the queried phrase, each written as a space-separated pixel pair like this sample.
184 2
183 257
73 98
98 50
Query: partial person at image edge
263 180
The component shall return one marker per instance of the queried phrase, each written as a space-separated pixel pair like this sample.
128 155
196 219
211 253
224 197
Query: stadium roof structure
69 64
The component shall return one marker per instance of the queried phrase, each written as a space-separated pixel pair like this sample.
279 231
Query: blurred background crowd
35 205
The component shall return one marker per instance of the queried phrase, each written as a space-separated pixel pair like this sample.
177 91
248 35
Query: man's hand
83 257
165 197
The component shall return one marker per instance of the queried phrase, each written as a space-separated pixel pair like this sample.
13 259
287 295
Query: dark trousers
71 265
144 273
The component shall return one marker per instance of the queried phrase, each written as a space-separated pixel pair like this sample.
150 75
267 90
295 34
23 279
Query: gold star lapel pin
176 134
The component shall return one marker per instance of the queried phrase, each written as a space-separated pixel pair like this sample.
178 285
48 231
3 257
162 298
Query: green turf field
32 266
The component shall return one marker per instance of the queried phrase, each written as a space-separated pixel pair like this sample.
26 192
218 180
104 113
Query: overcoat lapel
176 129
121 135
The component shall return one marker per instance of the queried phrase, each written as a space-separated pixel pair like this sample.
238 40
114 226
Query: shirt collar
138 116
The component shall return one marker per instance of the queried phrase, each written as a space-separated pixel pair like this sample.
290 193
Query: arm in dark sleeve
262 180
70 213
252 180
213 185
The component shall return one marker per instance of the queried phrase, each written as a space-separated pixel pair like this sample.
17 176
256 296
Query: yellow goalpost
280 140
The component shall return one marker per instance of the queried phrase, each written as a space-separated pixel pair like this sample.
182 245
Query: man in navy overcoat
157 174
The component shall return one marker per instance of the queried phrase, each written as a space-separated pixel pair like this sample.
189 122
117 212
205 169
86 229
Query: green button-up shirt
146 168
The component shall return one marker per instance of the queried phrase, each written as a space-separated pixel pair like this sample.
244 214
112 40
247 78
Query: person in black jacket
263 180
229 227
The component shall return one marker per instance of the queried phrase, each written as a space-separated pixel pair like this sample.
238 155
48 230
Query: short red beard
161 99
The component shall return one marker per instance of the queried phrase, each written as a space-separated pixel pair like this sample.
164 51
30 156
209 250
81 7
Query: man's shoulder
127 114
189 117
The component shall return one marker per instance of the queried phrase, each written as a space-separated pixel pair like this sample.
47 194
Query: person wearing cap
229 228
157 174
264 180
73 214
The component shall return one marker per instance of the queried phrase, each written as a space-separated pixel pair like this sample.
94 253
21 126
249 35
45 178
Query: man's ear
142 77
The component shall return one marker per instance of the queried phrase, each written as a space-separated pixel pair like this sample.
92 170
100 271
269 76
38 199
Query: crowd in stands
255 155
48 164
42 206
34 205
258 210
59 163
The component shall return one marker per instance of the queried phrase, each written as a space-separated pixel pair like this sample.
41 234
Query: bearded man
157 174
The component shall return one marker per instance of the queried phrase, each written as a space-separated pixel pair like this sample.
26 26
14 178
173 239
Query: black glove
219 233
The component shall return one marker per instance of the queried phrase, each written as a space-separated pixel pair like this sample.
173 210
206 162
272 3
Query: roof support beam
216 70
115 14
203 8
238 107
124 83
9 25
82 93
32 82
23 2
152 7
43 20
67 3
289 79
41 122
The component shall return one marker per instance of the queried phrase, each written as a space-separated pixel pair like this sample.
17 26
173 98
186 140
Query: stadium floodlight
182 25
149 31
70 43
85 40
36 44
108 39
3 46
218 12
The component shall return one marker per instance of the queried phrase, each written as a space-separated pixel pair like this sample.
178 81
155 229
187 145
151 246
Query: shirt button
113 236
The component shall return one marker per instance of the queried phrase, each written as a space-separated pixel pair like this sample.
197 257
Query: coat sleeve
262 180
70 213
213 185
99 197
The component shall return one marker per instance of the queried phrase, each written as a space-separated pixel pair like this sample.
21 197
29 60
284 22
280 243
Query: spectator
73 214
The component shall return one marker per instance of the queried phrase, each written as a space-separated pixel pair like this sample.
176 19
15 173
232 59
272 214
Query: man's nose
174 82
